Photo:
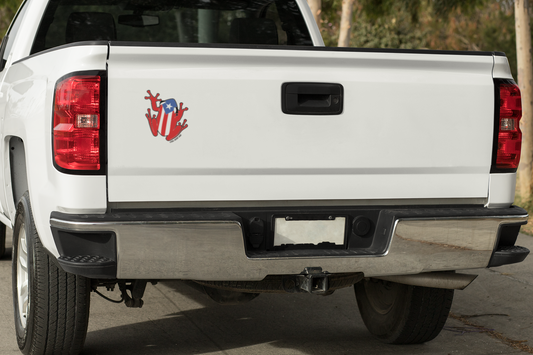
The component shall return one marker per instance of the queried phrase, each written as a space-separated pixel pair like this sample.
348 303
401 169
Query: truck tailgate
413 125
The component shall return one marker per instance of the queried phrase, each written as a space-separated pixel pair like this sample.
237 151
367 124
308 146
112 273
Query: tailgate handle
312 98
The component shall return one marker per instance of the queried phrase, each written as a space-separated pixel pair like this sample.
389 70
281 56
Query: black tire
401 314
55 317
2 240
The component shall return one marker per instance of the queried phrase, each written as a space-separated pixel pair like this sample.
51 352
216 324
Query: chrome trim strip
297 203
214 250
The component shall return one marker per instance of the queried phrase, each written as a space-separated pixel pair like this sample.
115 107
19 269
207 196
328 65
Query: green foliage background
8 8
485 25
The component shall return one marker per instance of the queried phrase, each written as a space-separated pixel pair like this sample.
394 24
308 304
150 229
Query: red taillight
509 134
77 123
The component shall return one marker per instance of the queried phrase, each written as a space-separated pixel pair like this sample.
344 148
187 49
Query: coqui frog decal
165 117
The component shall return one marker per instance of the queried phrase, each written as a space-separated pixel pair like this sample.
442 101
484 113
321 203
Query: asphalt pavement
494 315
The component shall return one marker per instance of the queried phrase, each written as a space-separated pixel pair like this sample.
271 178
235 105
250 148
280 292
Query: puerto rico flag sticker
165 117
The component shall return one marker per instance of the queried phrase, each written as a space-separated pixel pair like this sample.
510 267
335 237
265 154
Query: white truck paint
400 187
370 151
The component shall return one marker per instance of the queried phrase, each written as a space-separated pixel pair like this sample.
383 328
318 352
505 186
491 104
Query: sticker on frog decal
165 117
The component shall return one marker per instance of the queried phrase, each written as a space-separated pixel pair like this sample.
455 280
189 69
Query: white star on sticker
169 106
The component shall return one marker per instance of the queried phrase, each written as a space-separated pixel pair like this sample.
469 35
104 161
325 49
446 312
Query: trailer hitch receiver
313 280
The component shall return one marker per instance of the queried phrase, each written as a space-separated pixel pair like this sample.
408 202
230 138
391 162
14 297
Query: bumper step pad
92 266
508 255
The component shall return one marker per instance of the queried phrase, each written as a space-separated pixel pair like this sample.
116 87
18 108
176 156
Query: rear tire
402 314
51 306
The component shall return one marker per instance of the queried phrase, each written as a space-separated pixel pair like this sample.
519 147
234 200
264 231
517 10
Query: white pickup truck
221 142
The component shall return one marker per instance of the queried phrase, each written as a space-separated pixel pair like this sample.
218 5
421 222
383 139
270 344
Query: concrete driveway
494 315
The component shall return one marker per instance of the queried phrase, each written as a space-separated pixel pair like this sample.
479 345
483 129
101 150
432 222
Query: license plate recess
289 230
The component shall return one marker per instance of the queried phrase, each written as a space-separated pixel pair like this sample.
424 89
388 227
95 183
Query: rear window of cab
245 22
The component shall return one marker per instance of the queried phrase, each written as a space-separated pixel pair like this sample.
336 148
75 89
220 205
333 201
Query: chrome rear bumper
214 249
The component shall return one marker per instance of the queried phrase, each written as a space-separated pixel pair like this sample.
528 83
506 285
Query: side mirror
138 20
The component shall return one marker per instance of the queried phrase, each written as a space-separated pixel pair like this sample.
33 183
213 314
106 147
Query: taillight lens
77 123
509 135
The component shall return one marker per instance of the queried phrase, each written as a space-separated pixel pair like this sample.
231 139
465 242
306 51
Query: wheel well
17 161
